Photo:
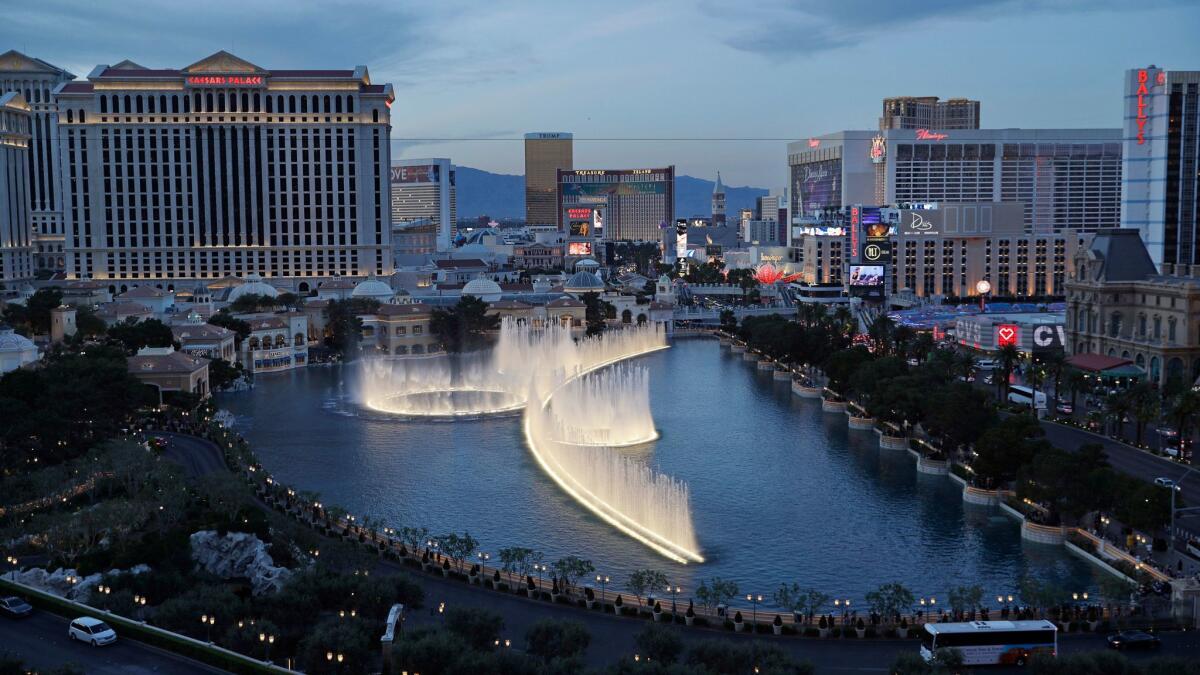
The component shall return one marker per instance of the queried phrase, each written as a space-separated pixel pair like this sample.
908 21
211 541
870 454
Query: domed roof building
373 288
583 282
254 285
482 288
401 297
15 350
588 264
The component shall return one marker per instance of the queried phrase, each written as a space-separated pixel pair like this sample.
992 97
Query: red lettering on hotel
218 80
927 135
1142 119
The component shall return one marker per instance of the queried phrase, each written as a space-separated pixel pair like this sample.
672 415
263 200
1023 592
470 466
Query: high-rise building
1066 179
16 235
718 202
35 79
545 154
625 204
424 202
927 112
225 168
1160 191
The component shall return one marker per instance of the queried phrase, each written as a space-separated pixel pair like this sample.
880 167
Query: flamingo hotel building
225 168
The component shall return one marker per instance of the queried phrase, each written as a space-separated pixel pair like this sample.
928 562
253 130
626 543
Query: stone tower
718 203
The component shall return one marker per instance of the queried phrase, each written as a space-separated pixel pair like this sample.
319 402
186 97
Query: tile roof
77 88
143 292
456 264
202 331
565 302
312 73
268 323
1096 362
416 309
510 304
142 72
175 362
122 309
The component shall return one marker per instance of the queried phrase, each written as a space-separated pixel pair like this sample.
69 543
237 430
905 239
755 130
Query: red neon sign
579 213
1142 118
854 221
927 135
219 80
1007 334
814 142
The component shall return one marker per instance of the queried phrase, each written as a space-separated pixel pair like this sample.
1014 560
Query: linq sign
225 80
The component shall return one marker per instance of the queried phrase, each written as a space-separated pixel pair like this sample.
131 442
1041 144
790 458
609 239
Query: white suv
92 631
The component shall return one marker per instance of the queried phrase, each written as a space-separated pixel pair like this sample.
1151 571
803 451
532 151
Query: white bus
991 642
1019 393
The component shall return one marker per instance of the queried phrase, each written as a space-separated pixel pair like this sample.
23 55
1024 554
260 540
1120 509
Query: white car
92 631
1163 481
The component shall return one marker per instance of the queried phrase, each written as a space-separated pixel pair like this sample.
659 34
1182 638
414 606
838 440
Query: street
42 642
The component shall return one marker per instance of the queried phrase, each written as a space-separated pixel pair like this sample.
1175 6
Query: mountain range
503 195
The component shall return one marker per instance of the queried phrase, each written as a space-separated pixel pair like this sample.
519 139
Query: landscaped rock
238 555
66 583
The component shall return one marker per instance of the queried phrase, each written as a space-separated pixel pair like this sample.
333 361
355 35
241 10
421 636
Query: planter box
823 632
893 442
901 633
736 348
1043 534
749 356
766 364
860 423
974 495
781 375
778 630
860 632
805 392
935 467
739 626
591 604
833 406
658 617
688 620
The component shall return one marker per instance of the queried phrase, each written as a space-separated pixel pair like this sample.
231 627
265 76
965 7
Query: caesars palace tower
224 168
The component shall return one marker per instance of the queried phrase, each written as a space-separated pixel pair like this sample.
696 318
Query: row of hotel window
217 102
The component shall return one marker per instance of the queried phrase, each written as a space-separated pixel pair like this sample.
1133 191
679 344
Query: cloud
785 28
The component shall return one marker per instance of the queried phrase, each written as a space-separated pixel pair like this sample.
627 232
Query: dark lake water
780 491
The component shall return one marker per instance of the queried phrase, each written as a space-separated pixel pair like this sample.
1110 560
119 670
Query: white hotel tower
225 168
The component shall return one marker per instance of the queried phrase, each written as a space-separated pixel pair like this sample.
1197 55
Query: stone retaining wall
782 375
749 356
766 364
893 442
1043 534
934 467
805 392
974 495
736 348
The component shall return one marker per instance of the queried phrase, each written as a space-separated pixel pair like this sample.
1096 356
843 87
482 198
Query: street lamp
603 581
674 591
540 569
12 560
983 287
267 641
209 622
757 599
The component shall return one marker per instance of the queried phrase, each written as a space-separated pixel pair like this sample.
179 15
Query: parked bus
1019 393
991 642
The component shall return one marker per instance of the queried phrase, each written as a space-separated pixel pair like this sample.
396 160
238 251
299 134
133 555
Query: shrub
479 628
659 643
550 639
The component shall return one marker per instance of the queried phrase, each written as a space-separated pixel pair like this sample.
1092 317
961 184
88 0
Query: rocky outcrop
238 555
66 583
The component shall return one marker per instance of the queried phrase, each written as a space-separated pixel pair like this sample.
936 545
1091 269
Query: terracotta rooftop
510 304
1096 362
457 264
565 302
175 362
202 331
143 292
404 310
268 323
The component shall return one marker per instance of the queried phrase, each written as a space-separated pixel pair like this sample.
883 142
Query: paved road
41 641
197 456
613 637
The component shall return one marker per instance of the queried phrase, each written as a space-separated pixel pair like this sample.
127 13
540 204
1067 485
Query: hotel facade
1066 179
225 168
16 238
35 80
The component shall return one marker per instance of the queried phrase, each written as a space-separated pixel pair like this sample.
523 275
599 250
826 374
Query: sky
484 73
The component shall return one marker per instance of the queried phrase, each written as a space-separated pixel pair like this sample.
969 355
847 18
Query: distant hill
503 196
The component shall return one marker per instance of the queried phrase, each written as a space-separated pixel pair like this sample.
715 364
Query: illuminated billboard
867 281
681 228
818 185
582 248
918 223
1008 335
417 173
875 241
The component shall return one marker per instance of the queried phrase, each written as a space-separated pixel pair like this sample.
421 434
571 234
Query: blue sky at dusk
612 69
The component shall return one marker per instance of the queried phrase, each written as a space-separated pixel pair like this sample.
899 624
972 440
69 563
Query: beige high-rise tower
545 154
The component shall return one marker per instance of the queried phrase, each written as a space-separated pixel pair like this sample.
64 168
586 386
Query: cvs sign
1049 339
1008 334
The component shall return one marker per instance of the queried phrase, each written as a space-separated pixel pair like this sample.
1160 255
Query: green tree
1183 411
965 599
644 582
594 313
253 302
462 328
1009 357
550 639
659 644
716 591
240 327
222 373
957 413
729 322
571 569
1076 381
343 327
132 334
87 324
1004 448
352 639
479 628
890 599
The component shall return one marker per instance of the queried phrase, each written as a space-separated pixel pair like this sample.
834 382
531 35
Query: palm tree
844 321
1009 357
1145 406
1076 382
1183 412
1055 364
882 331
1116 407
922 346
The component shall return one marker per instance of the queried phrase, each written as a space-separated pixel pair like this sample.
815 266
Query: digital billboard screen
818 185
875 242
419 173
867 281
579 248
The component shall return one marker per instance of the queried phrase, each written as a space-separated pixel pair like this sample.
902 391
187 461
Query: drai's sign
919 223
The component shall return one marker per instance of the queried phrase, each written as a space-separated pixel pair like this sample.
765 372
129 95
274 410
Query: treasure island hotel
225 168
